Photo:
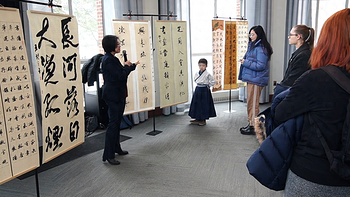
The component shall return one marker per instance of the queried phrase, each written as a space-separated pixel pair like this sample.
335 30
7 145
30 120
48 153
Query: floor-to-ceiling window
322 9
87 16
201 16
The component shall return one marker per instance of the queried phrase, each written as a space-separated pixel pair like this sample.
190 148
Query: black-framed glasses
292 35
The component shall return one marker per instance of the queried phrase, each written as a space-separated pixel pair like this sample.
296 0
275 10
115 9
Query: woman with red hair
323 104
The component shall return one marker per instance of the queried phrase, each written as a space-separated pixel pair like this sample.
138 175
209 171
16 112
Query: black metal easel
170 15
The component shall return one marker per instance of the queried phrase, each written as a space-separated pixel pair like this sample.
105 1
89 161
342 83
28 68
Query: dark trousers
112 141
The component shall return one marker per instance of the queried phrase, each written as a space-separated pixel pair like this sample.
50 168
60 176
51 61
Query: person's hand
136 63
242 61
128 63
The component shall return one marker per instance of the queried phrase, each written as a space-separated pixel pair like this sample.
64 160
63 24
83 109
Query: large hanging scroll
242 45
56 46
236 41
230 78
171 37
218 52
179 35
135 38
19 151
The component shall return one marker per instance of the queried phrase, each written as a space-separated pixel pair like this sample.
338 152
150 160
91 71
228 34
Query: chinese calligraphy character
71 68
73 131
49 103
53 138
141 30
71 101
45 27
163 29
50 67
121 30
179 40
166 65
66 37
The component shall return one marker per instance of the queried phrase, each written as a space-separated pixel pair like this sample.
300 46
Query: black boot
248 131
245 127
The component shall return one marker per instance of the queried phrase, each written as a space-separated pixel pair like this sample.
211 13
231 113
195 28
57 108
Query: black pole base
154 133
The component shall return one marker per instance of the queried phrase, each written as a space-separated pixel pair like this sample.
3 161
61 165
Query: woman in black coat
302 37
323 104
114 92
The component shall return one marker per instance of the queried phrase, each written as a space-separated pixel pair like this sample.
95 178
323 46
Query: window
325 9
87 15
201 17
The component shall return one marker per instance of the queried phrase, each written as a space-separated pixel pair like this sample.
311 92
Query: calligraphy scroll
218 52
236 41
135 38
230 78
19 151
179 35
242 45
56 47
171 39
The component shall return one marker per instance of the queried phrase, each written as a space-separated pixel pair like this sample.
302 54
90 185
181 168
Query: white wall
278 38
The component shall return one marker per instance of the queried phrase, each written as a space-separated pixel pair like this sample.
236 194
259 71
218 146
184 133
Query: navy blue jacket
115 77
270 163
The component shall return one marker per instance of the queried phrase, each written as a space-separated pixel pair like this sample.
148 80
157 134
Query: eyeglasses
251 35
290 35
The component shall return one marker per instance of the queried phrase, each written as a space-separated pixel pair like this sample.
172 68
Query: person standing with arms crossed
255 70
114 92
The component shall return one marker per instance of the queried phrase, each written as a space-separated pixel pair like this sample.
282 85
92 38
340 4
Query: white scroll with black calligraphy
242 45
171 39
56 47
134 37
19 149
179 35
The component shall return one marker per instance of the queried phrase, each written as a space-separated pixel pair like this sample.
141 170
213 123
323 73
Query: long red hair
333 46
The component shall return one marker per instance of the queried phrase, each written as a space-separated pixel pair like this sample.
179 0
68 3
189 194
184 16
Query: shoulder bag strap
344 83
338 77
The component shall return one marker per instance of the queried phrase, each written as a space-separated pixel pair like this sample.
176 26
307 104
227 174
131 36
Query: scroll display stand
170 15
154 132
229 104
230 92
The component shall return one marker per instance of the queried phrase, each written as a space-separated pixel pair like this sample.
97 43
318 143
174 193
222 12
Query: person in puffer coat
255 71
270 163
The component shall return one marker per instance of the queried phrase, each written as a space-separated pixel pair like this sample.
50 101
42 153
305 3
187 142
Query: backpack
91 124
339 160
90 69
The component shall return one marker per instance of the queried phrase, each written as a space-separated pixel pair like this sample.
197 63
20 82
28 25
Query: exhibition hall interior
53 119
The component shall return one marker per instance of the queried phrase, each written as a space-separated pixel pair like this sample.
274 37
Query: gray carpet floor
183 160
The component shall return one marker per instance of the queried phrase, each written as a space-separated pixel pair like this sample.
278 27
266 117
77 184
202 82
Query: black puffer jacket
90 69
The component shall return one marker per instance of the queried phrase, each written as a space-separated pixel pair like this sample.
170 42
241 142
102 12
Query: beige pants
253 96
